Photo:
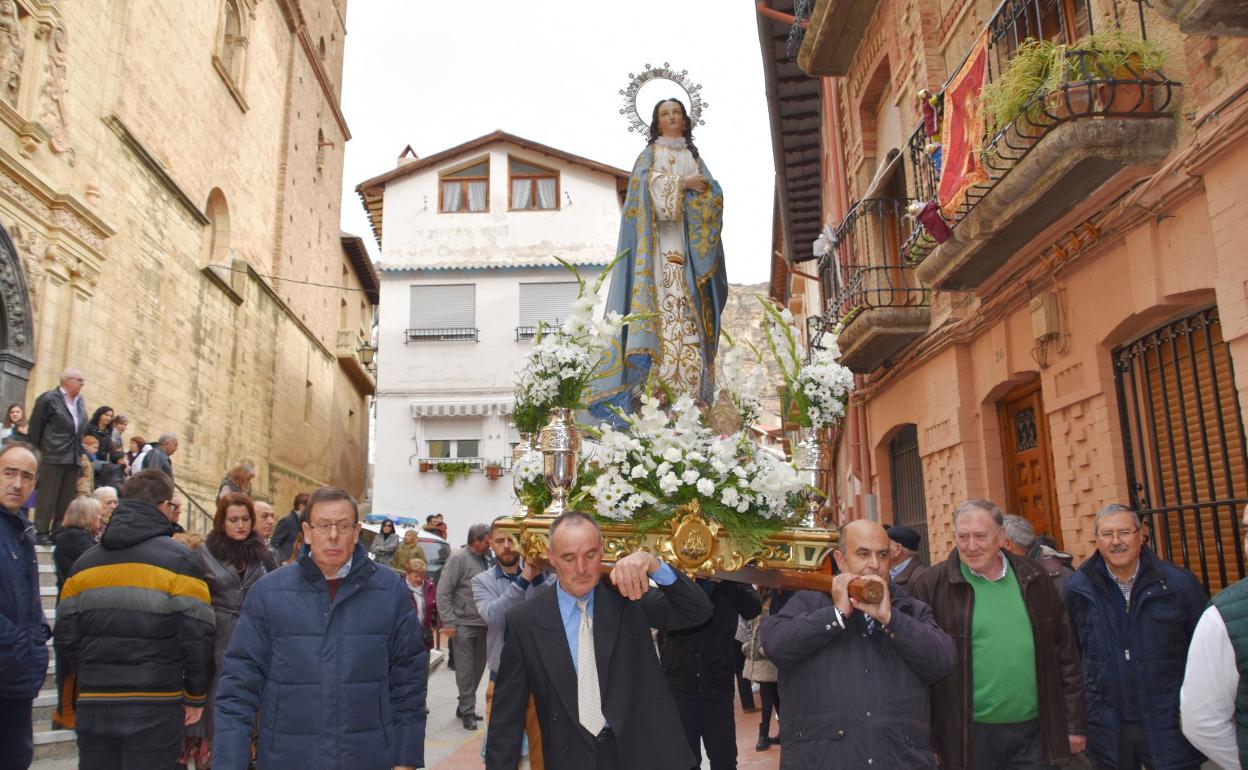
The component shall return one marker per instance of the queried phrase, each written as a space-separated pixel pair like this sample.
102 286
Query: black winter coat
854 698
24 631
140 631
52 429
110 475
71 542
1144 649
284 536
703 660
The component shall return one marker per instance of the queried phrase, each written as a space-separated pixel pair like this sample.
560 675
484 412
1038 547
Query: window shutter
547 302
444 307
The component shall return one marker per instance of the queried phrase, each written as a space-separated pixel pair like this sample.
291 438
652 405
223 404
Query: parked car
437 550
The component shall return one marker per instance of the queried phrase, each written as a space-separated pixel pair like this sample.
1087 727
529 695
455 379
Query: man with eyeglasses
1133 614
23 628
328 654
1213 704
57 424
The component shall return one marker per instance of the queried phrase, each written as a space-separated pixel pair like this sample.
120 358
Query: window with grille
443 312
533 188
466 190
548 303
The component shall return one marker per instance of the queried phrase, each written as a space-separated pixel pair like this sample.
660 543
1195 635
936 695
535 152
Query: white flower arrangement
662 460
820 389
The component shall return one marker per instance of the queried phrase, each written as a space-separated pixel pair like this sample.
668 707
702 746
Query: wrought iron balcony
1105 114
455 334
874 296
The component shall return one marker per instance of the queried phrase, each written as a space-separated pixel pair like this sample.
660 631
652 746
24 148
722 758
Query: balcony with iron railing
1062 120
443 334
873 295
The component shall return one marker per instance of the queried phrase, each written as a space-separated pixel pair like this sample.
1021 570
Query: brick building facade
170 182
1081 338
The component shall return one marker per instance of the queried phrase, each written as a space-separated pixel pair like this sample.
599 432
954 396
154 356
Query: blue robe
635 289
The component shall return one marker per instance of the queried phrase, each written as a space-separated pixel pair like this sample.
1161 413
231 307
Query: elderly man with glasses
328 654
1133 614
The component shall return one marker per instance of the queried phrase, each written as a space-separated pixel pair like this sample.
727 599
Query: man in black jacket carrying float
854 676
585 654
700 664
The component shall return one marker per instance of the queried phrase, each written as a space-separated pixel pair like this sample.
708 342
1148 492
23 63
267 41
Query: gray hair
105 493
478 532
71 373
1019 530
166 438
1110 510
979 504
571 517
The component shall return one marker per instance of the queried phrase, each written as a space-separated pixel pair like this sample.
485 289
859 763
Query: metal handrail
862 270
201 510
443 334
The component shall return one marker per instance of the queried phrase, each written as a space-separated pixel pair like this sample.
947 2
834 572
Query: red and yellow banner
962 129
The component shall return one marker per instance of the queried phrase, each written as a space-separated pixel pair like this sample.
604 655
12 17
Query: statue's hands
697 183
631 575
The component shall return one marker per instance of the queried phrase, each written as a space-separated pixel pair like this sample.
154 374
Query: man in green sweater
1015 699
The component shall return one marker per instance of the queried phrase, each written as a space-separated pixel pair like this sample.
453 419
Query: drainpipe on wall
855 440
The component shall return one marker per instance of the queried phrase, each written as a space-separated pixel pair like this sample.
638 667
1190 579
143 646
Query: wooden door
1028 459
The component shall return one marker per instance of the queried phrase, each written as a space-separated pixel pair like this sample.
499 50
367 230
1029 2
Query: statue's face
671 120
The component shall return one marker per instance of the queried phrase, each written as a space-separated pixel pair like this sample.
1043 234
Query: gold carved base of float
689 543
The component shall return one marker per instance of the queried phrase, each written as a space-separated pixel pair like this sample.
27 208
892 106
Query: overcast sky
434 75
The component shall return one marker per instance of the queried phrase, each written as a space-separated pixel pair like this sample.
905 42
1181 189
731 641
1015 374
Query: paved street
448 746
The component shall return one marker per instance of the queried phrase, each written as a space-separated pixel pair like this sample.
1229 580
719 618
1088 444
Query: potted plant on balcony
425 465
454 471
494 471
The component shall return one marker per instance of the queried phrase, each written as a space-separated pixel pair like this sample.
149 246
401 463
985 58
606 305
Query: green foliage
453 471
1041 67
530 417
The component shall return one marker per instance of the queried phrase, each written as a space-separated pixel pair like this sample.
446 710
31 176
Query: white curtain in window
546 194
476 196
522 193
450 196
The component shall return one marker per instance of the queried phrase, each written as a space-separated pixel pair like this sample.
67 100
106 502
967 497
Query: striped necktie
588 698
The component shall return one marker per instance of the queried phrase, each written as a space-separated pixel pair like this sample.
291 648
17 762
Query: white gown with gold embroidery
680 360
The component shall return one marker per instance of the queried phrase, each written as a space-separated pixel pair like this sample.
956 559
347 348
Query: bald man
854 672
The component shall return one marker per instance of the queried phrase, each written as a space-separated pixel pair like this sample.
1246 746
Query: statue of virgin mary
672 269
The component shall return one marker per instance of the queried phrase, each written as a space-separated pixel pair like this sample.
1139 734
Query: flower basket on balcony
494 471
1046 82
453 471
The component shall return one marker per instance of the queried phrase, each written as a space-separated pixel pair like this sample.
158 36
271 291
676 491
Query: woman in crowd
423 598
759 669
12 416
78 533
136 445
234 558
410 549
101 427
120 423
238 480
386 543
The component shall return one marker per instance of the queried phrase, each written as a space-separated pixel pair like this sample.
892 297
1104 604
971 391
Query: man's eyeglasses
325 527
1122 534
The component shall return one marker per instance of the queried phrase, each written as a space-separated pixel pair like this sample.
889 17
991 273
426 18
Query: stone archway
17 336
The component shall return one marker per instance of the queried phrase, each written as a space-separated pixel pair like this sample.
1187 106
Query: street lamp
367 353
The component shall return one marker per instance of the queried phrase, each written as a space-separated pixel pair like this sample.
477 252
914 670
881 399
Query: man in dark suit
585 654
57 424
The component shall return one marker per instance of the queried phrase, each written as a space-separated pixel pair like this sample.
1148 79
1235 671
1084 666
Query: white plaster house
467 271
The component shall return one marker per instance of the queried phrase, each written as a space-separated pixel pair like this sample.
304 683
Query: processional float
620 411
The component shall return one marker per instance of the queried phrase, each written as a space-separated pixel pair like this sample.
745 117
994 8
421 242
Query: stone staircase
49 743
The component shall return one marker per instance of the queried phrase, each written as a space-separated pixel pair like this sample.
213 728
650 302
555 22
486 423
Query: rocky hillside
743 320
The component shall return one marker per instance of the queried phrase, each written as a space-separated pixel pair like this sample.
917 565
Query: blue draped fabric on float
634 289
